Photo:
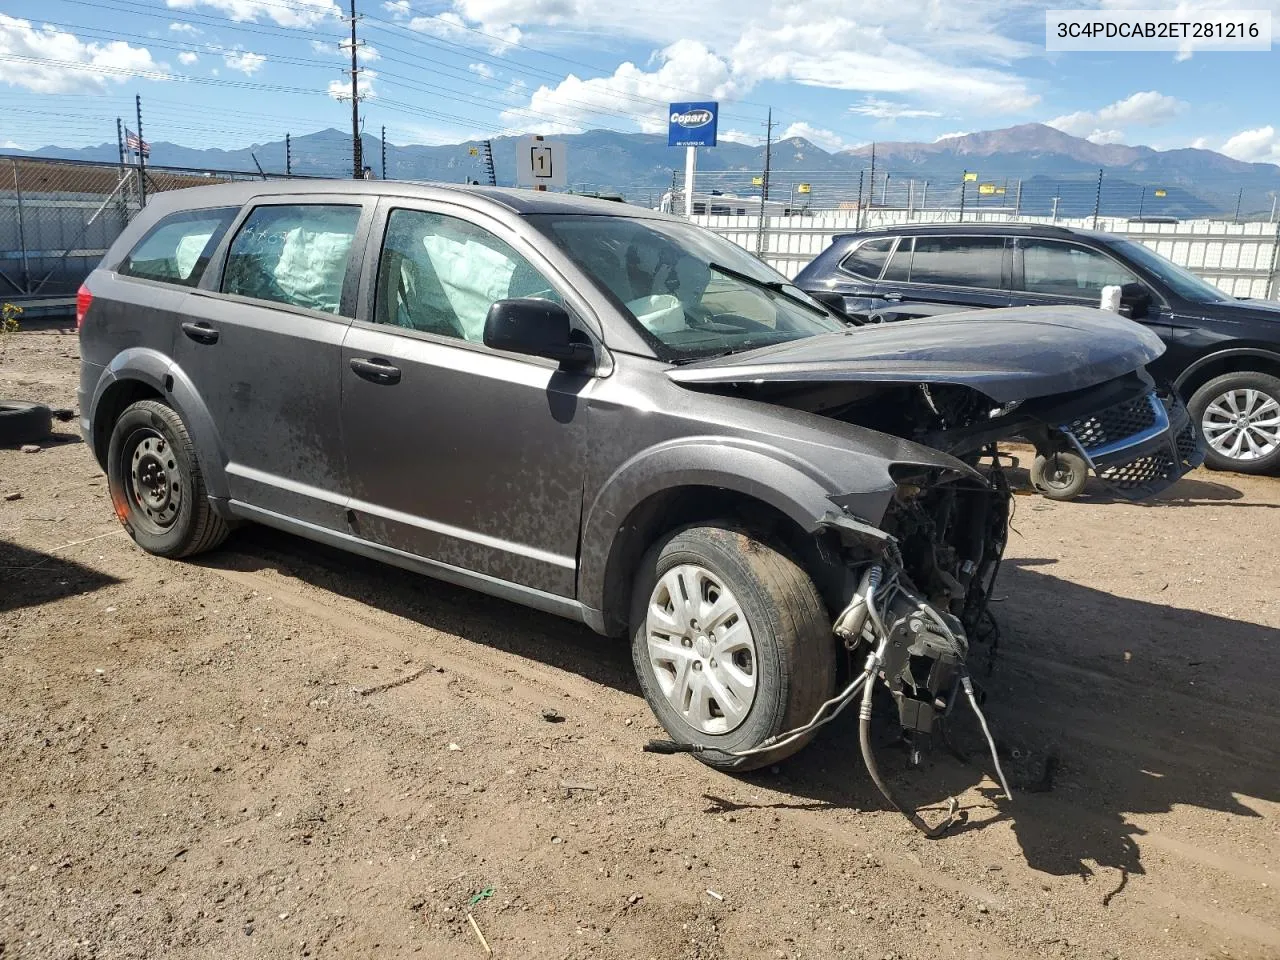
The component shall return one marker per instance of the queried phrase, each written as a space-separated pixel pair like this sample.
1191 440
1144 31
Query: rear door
262 341
461 454
945 272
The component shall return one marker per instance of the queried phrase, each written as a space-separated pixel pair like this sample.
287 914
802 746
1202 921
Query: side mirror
1135 301
539 328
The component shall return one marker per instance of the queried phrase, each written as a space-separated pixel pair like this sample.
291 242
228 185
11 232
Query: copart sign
692 124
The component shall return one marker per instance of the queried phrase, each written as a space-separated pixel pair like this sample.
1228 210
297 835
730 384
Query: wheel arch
143 374
1233 360
674 487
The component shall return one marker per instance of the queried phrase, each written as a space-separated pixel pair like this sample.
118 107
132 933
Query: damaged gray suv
604 413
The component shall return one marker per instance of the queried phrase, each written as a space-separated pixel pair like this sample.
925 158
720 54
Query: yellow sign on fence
986 189
1162 193
757 181
970 177
804 188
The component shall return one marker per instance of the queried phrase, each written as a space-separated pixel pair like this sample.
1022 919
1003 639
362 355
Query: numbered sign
540 163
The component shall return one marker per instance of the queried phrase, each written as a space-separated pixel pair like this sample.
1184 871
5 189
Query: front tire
1238 415
731 643
156 485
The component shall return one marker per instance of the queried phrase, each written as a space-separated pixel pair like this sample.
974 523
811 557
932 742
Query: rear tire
1059 476
763 618
156 485
1255 396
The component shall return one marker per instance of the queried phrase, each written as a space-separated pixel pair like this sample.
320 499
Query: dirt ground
209 759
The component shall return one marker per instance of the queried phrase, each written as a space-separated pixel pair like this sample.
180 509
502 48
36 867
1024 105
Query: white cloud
397 8
952 136
449 26
888 110
185 28
1106 136
1260 145
482 70
1148 108
187 57
738 136
53 61
295 13
826 139
1200 143
574 104
244 61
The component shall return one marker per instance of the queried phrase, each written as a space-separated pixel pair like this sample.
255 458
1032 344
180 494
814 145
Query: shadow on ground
1104 707
29 578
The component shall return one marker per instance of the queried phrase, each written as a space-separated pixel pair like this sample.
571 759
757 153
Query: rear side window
1065 270
868 258
958 261
178 247
294 253
899 268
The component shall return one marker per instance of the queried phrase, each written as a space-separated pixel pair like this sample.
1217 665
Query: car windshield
1181 281
690 293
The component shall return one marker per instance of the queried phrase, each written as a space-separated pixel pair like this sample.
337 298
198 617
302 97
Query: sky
229 73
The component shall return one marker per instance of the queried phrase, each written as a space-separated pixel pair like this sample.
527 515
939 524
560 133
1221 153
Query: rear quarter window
177 249
868 258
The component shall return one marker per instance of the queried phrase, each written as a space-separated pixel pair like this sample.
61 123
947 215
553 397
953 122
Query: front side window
958 261
178 247
867 259
440 275
293 253
1065 270
689 292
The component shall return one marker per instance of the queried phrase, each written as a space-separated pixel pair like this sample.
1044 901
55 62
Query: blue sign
692 124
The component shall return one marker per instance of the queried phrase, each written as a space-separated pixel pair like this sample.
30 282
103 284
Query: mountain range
1036 167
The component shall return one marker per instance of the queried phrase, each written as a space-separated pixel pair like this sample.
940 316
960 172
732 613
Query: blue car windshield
690 293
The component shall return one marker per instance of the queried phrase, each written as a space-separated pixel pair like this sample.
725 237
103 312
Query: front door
458 453
261 341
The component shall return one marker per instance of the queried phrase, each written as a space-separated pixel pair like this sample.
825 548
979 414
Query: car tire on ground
22 422
731 643
156 485
1059 476
1238 414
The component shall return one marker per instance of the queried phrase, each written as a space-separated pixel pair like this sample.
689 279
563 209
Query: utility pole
357 148
288 156
384 153
142 146
764 182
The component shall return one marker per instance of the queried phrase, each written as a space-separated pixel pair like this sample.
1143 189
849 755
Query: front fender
155 370
791 485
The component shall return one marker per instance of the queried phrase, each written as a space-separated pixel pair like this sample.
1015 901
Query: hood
1008 354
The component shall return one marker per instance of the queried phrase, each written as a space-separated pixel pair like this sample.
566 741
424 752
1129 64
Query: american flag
134 143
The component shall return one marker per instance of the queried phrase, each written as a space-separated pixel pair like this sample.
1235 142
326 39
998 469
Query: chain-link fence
58 217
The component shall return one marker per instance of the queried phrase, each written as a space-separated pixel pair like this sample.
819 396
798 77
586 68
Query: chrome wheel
1242 424
154 483
701 649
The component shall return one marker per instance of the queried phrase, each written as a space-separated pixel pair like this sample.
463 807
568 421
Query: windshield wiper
776 286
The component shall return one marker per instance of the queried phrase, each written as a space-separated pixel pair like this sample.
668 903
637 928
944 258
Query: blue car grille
1115 423
1140 472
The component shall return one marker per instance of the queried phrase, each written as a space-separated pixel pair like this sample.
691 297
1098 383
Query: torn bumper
1140 446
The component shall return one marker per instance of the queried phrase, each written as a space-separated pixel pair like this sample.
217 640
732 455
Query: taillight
83 299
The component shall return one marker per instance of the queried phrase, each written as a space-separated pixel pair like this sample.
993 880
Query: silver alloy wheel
701 649
1242 424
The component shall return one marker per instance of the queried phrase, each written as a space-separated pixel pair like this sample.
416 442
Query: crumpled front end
1139 446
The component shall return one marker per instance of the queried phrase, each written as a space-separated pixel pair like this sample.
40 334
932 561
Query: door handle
200 332
375 370
891 297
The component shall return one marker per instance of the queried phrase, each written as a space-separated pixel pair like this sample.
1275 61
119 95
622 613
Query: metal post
871 180
288 156
964 182
1273 209
1056 198
142 162
858 219
120 143
924 195
911 196
22 233
1142 201
357 148
384 153
1272 291
1097 200
884 193
690 167
1017 203
1239 197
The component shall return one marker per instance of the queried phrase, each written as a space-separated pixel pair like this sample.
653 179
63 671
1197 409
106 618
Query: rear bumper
1163 448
